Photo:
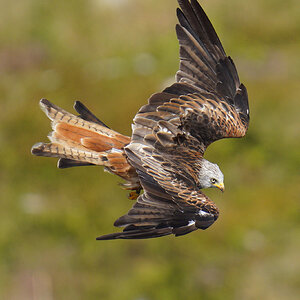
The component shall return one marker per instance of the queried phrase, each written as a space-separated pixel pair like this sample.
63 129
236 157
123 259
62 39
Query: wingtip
178 27
110 236
137 234
178 11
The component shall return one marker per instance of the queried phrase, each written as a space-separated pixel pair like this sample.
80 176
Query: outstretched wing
212 75
171 202
208 97
171 133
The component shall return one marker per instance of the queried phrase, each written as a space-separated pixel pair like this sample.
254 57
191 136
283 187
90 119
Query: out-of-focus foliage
113 54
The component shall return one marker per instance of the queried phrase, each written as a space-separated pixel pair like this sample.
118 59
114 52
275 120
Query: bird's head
210 176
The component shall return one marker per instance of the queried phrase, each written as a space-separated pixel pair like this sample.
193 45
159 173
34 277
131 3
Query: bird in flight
162 162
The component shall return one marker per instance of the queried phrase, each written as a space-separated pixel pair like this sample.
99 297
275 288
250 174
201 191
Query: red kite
164 156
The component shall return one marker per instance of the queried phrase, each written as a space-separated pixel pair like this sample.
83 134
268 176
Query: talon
133 195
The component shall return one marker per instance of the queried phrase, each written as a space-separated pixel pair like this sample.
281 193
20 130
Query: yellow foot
133 195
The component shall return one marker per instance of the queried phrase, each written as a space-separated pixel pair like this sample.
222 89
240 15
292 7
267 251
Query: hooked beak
220 186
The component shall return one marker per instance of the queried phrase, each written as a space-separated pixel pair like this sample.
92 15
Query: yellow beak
220 186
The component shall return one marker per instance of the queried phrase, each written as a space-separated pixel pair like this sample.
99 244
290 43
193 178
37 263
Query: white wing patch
203 213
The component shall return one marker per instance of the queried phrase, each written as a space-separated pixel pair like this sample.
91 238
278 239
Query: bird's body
164 156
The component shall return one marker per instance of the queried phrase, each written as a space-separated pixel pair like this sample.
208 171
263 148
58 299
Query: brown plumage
164 156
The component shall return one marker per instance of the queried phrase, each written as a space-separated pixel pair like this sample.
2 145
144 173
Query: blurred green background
112 55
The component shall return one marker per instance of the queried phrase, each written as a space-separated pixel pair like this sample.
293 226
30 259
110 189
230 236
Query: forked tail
84 140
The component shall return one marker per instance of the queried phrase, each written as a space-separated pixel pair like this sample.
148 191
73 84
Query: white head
210 176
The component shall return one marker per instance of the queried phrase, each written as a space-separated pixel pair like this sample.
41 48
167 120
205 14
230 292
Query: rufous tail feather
85 140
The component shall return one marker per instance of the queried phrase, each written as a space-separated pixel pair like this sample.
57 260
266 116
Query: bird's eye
213 180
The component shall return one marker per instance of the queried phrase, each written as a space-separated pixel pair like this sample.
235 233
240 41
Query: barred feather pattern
80 142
